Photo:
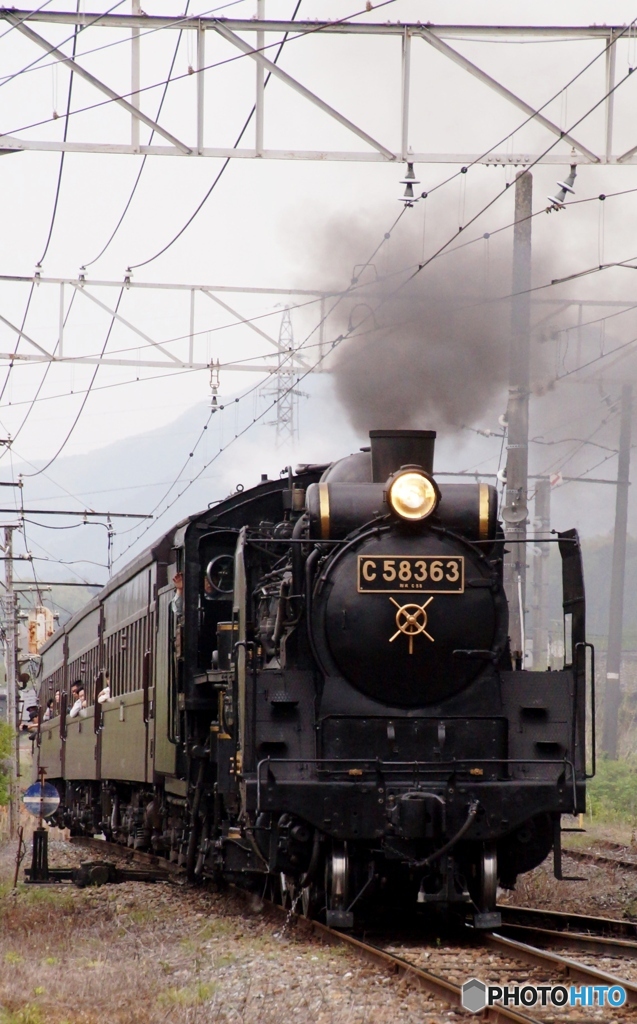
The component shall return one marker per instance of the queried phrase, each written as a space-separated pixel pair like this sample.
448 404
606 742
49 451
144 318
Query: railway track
592 857
523 939
592 935
128 854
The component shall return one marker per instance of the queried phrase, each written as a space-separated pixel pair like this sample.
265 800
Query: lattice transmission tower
281 388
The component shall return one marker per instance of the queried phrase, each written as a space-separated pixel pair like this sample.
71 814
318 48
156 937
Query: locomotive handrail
591 648
433 766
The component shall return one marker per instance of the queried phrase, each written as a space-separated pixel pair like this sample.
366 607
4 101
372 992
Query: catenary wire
84 401
78 28
44 252
12 28
382 279
143 163
537 110
29 69
225 164
256 419
280 47
209 67
425 263
421 267
219 175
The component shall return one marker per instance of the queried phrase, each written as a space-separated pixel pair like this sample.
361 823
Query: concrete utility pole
616 615
10 647
515 510
541 576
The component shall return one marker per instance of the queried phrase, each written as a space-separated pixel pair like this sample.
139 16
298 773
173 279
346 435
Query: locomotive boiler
330 708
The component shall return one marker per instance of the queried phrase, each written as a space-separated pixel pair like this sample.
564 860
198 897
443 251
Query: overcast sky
305 224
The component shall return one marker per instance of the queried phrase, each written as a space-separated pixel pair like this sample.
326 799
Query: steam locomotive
330 709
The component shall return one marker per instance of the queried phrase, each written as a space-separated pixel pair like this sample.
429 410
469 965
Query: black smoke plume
431 351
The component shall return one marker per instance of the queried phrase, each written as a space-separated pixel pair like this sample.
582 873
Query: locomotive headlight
412 495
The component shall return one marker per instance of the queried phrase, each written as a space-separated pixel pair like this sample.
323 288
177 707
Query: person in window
49 711
177 603
105 694
80 704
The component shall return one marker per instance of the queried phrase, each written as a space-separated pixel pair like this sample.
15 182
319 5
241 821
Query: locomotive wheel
488 878
337 877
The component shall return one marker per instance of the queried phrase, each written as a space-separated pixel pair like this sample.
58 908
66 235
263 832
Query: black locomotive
330 708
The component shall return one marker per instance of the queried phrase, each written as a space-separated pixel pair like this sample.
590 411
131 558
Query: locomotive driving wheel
337 871
488 878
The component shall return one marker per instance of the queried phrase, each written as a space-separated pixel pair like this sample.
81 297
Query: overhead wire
280 45
28 15
533 115
363 285
77 28
209 67
386 236
143 163
55 483
106 46
422 266
279 50
530 117
152 134
26 546
48 238
84 400
219 175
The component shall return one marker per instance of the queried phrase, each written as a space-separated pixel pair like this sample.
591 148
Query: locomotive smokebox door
396 610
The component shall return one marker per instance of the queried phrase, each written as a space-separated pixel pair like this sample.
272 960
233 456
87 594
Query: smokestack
392 449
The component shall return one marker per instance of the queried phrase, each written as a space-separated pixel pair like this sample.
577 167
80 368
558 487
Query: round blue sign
43 800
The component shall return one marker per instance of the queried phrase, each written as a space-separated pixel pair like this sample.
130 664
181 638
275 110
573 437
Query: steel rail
571 969
128 853
600 858
433 983
396 965
579 941
559 920
438 986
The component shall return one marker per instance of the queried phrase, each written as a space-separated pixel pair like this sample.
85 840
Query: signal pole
616 614
10 647
541 575
515 510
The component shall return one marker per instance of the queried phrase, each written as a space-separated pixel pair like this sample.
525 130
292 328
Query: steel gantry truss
185 351
176 353
255 39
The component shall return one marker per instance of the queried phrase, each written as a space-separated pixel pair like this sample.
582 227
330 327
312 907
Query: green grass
612 794
190 995
6 749
29 1014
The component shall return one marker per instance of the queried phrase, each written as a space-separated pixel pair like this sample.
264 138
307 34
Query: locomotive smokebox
392 449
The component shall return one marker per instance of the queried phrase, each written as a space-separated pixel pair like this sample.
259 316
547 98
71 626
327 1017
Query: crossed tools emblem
411 619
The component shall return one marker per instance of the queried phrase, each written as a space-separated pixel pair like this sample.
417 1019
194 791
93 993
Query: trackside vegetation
6 736
612 794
